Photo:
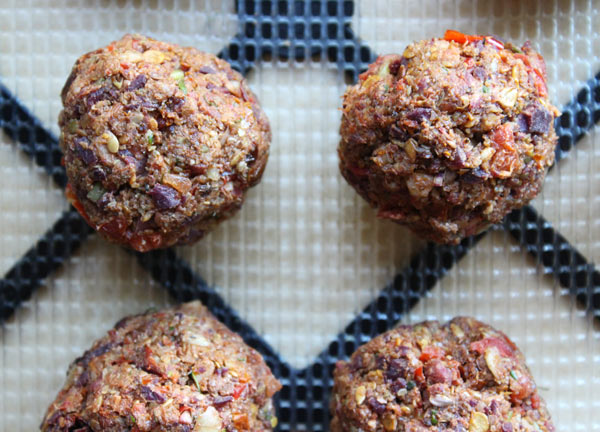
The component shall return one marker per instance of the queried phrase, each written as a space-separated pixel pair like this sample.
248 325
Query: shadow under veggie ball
160 142
450 136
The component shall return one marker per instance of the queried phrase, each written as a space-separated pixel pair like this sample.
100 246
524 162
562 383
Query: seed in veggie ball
177 369
160 142
460 376
450 136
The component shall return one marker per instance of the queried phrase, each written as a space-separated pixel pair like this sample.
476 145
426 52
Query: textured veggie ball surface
175 370
460 376
450 136
160 142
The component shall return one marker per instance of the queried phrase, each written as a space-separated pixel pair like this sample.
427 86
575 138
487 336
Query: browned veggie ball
450 136
174 370
461 376
160 142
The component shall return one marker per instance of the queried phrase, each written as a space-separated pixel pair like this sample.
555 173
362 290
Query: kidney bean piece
165 197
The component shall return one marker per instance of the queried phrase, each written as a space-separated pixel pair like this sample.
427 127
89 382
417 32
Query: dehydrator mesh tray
305 272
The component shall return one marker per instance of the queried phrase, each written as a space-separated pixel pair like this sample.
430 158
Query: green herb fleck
510 415
445 69
182 86
516 49
72 126
132 418
172 328
96 192
485 89
242 359
410 385
386 88
266 414
177 74
195 379
385 69
434 419
213 103
513 375
150 137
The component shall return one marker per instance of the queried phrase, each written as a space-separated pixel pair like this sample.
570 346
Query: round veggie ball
160 142
177 369
450 136
460 376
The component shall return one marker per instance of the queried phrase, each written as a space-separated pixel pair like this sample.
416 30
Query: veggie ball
160 142
461 376
175 370
450 136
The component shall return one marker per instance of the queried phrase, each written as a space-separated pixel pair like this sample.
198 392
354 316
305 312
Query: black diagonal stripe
43 259
557 257
185 285
398 298
382 314
578 116
297 30
549 247
35 140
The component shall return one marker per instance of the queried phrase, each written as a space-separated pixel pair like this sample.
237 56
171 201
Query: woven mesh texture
305 255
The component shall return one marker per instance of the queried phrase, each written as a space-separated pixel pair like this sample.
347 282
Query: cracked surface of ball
449 137
178 369
160 142
460 376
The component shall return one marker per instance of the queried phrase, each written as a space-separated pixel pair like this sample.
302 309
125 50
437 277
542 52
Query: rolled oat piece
450 136
160 142
461 376
178 369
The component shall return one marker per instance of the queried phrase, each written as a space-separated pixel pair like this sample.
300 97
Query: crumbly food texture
449 137
178 369
460 376
160 141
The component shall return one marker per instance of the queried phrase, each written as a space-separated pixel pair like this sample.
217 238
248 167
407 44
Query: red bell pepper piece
419 376
431 352
237 392
456 36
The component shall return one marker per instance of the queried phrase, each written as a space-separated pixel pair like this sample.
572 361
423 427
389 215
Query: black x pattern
299 29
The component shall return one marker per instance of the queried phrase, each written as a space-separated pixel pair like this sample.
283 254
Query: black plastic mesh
578 116
297 29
